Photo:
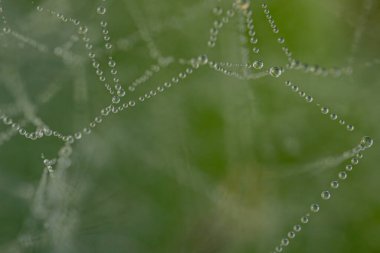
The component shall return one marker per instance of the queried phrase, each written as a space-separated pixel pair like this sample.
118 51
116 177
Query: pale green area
214 164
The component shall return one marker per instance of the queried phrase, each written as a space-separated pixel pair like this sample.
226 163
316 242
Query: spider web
227 161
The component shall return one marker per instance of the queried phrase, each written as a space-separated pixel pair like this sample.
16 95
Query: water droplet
256 50
342 175
253 41
115 99
325 195
309 99
297 228
366 142
111 63
333 116
78 135
275 71
325 110
349 167
304 219
314 208
217 11
101 10
108 45
82 29
203 59
350 128
47 162
258 64
285 242
121 93
291 234
354 161
281 40
334 184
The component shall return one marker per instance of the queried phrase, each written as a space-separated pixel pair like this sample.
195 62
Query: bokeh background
214 164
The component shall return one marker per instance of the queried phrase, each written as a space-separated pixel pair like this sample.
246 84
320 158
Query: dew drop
278 249
297 228
366 142
325 195
111 63
291 234
309 99
342 175
203 59
121 93
350 128
349 167
285 242
115 99
101 10
325 110
304 219
359 155
314 208
281 40
334 184
47 162
217 11
82 29
256 50
333 116
258 64
254 41
275 71
78 135
108 45
354 161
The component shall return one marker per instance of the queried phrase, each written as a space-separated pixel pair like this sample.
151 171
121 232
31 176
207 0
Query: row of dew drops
365 143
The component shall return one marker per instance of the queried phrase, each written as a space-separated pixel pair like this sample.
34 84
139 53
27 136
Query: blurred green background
214 164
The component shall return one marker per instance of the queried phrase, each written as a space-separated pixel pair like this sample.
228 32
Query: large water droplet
275 71
366 142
